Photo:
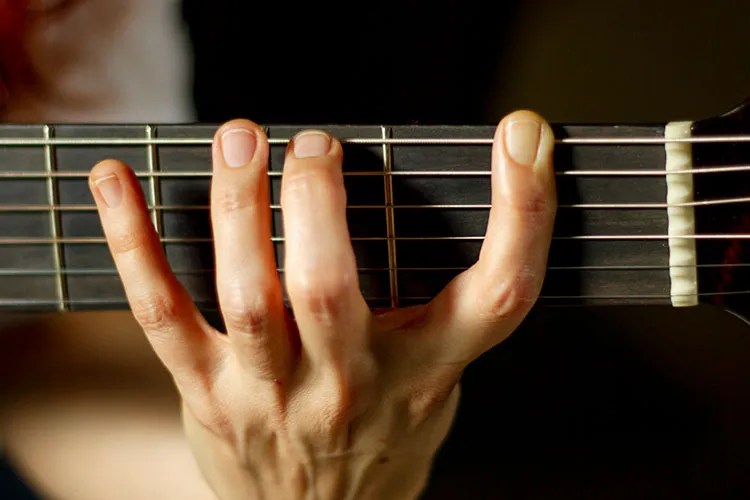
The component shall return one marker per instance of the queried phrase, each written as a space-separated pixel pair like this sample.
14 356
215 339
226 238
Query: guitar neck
417 211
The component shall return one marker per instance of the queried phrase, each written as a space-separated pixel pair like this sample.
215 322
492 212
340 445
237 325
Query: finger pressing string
177 331
248 285
320 267
486 303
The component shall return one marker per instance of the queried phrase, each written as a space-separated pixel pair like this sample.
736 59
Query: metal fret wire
390 221
54 220
152 163
414 173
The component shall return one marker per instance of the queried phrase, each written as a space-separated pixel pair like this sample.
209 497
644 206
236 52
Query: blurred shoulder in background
96 61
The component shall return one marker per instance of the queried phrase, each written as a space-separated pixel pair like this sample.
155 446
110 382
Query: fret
152 162
390 222
591 189
22 192
176 189
61 285
360 190
463 176
79 160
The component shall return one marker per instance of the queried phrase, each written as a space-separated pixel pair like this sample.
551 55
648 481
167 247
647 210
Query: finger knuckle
513 296
539 211
236 198
248 316
322 295
309 184
537 206
534 207
129 241
156 313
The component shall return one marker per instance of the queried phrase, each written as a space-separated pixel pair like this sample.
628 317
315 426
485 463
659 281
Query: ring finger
321 271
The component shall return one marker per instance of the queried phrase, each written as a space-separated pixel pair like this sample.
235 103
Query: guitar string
112 271
122 302
84 240
711 169
720 201
23 241
416 141
45 208
366 141
445 206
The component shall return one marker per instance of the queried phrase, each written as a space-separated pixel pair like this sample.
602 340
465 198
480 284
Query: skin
328 400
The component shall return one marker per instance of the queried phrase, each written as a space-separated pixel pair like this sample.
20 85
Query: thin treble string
413 141
178 271
9 241
714 169
214 306
445 206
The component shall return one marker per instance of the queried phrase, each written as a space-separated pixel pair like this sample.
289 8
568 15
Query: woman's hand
337 402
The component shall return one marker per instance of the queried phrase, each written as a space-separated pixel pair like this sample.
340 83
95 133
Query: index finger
175 328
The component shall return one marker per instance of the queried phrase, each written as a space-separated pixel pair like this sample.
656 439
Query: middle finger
321 271
248 285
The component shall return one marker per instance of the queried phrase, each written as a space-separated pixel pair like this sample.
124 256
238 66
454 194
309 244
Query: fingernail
110 189
311 144
522 141
238 147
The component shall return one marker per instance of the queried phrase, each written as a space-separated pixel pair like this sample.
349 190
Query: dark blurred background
468 61
579 403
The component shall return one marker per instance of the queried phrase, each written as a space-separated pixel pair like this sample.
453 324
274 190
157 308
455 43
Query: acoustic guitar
648 214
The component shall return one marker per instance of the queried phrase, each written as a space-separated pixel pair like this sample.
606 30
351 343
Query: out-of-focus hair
15 66
17 19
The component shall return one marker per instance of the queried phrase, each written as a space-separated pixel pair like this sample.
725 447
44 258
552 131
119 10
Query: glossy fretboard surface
417 213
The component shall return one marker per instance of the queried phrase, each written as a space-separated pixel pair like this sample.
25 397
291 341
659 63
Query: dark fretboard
417 213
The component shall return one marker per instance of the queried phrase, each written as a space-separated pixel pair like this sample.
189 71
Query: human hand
338 402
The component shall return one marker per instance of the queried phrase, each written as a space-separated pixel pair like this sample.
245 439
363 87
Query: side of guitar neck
417 212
